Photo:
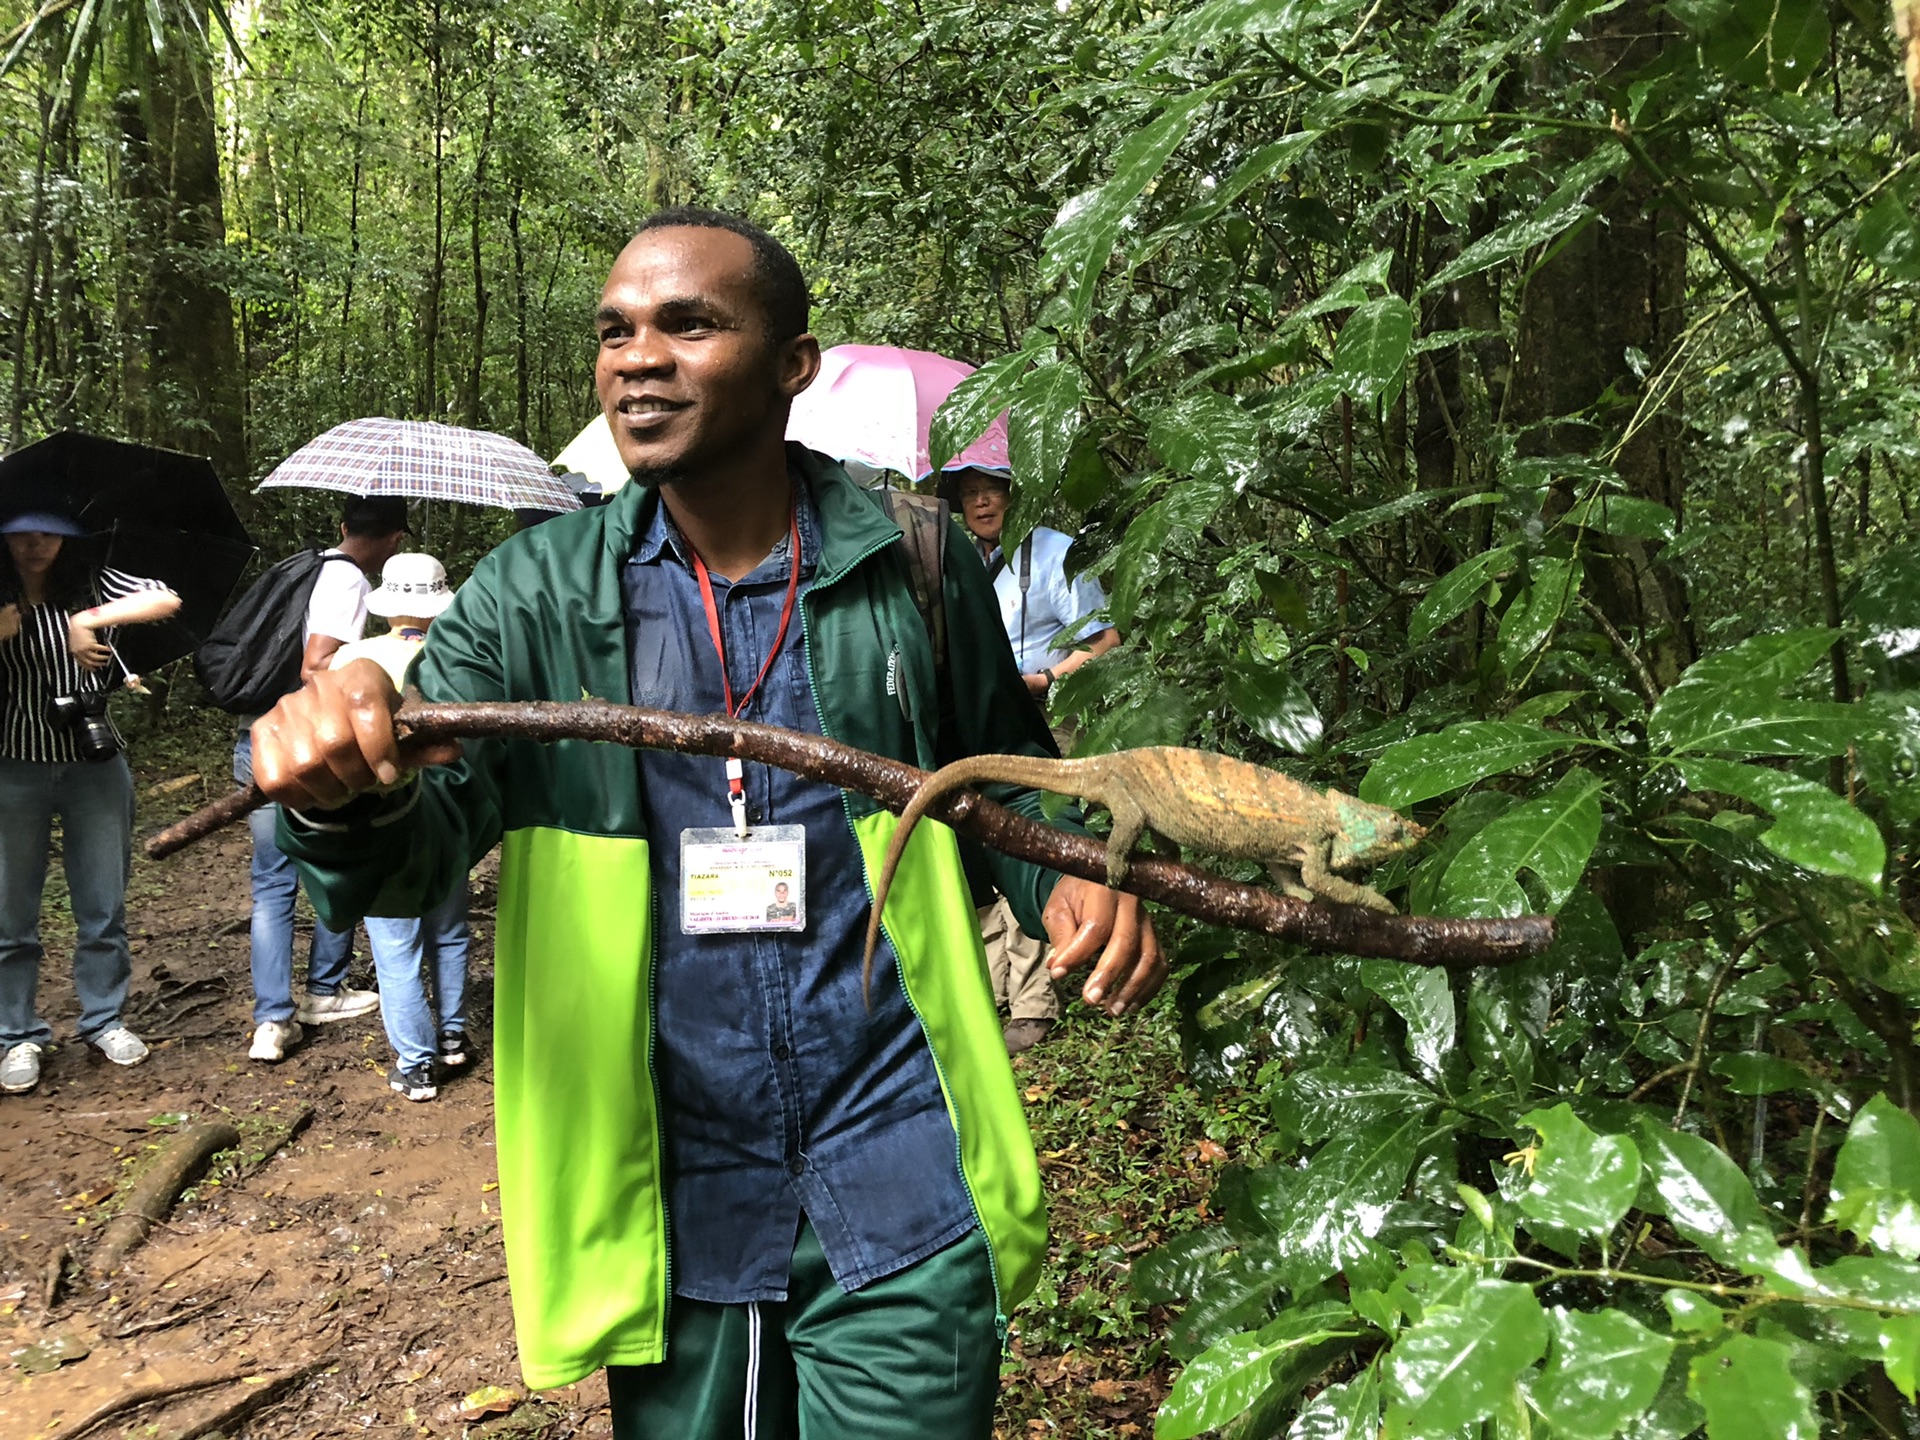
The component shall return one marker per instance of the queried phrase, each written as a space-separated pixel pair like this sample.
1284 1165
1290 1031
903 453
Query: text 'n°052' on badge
730 882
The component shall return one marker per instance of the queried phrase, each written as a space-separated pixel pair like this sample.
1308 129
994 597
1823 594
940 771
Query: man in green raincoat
767 1208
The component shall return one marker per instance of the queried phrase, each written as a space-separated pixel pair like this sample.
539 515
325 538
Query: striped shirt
36 666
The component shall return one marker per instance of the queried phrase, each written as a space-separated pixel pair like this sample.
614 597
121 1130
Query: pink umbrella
874 403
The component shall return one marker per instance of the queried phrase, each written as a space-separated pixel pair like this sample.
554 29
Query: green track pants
914 1356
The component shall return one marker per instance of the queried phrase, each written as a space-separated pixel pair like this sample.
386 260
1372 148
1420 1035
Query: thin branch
1340 929
1642 677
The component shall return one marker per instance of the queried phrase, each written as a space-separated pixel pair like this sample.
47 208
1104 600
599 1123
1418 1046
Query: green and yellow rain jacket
579 1134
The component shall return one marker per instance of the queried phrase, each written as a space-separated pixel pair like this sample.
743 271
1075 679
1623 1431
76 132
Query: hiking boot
412 1084
20 1071
273 1038
1023 1035
455 1054
341 1005
121 1045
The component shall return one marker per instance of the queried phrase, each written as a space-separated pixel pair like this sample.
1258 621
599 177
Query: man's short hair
783 289
374 516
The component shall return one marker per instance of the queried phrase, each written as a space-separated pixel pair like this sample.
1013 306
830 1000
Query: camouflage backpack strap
924 520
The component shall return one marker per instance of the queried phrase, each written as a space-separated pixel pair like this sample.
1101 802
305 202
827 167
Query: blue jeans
95 804
275 883
405 953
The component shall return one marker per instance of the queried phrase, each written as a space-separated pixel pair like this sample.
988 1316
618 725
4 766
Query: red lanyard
736 788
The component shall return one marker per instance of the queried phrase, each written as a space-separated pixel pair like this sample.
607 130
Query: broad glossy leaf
1552 585
1221 18
1729 702
1230 1376
1429 765
1456 590
1370 357
1210 437
1136 568
1876 1179
1341 1412
1813 827
965 414
1889 236
1421 996
1581 1181
1361 520
1459 1363
1900 1352
1886 606
1605 1370
1087 478
1346 290
1708 1199
1257 167
1345 1193
1312 1104
1275 704
1779 43
1082 236
1176 1270
1516 237
1757 1074
1041 426
1627 515
1749 1392
1551 836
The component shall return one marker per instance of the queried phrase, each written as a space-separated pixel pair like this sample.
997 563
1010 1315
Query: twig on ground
167 1321
1341 929
255 1399
181 1162
483 1280
144 1395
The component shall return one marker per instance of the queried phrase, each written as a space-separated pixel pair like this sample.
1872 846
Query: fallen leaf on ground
1212 1152
1108 1390
49 1355
488 1400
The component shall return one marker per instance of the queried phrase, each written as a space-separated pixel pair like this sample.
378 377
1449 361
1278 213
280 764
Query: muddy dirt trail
350 1277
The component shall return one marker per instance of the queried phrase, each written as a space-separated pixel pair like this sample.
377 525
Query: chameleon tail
931 789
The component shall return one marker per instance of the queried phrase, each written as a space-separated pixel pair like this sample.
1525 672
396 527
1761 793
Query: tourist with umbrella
99 535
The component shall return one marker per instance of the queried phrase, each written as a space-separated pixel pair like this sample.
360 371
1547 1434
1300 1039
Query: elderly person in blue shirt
1046 614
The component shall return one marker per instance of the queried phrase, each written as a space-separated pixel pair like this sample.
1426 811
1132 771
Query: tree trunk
183 388
1618 286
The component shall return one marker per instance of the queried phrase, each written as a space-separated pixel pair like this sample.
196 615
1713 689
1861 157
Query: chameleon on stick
1210 802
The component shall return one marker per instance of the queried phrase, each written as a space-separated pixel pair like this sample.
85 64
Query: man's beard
657 475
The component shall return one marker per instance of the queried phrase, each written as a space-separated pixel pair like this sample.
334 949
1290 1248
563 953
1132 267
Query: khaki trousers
1018 965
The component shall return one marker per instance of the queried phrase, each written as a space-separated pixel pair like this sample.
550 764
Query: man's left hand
1084 920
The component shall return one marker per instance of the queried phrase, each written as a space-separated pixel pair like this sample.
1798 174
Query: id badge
729 884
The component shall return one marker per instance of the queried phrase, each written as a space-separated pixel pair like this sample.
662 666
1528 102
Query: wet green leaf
1551 587
1730 702
1209 437
1176 1269
1460 1361
1626 515
965 414
1275 704
1341 1412
1889 235
1343 1195
1749 1392
1605 1370
1076 247
1370 357
1900 1352
1693 1314
1551 837
1514 238
1876 1179
1320 1101
1581 1181
1456 590
1230 1376
1041 426
1813 827
1758 1074
1708 1199
1429 765
1421 996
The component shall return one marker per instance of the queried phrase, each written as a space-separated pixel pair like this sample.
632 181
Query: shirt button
797 1165
754 815
783 1052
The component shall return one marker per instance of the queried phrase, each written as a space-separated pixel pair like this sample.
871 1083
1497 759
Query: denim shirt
782 1094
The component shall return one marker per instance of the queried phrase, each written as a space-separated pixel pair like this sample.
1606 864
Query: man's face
984 501
780 893
689 377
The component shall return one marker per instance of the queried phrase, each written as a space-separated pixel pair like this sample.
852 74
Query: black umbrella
150 512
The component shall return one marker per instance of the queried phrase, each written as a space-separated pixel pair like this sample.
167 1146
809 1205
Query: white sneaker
272 1039
20 1070
121 1045
344 1005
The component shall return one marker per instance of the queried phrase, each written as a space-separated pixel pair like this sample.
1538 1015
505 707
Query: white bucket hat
411 585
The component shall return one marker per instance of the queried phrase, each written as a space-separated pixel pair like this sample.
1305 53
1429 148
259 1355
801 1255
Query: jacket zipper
1001 1321
659 1139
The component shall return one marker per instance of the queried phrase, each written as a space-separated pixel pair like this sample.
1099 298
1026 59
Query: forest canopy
1508 413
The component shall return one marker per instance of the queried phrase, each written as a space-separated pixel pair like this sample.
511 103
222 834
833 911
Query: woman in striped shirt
57 620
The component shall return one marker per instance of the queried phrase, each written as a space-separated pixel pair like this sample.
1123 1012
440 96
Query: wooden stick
178 1165
1317 925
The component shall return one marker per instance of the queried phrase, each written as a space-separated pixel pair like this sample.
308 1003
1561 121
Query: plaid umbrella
418 459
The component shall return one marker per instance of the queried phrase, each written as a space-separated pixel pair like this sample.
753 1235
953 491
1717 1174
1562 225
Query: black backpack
252 657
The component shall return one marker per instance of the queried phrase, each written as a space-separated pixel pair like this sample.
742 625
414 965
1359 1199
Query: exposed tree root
181 1163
